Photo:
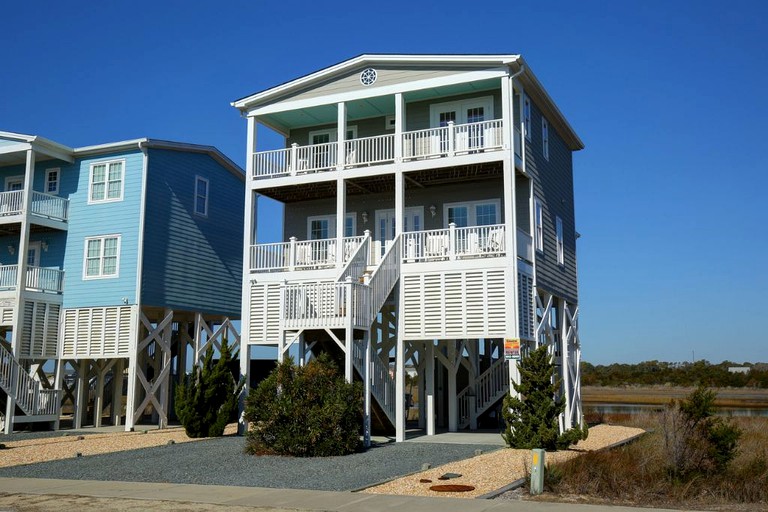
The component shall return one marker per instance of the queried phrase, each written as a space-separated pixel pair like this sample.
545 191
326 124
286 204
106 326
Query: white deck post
399 201
341 209
294 158
82 391
98 402
349 332
399 126
341 157
430 386
117 392
250 238
451 138
399 361
133 367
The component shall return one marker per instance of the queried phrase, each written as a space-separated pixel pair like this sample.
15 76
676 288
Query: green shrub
304 411
207 400
695 440
532 419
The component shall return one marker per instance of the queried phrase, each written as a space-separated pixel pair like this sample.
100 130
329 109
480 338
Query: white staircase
489 388
382 383
37 403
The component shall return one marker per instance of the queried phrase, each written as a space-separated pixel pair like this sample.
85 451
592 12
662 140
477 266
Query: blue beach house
120 263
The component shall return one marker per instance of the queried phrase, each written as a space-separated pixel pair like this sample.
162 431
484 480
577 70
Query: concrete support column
453 412
117 392
81 395
98 402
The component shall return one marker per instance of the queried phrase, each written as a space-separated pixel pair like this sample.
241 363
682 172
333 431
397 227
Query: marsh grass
638 473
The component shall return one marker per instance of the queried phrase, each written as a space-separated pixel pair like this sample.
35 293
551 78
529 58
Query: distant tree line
699 373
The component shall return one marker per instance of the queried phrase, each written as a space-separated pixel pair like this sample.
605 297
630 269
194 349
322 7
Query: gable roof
514 63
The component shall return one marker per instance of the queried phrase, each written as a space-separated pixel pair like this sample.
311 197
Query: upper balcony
44 208
39 279
433 143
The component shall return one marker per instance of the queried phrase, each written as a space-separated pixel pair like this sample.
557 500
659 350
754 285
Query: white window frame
198 179
331 218
11 179
57 181
101 274
527 117
471 210
545 137
538 225
106 199
333 134
461 108
559 240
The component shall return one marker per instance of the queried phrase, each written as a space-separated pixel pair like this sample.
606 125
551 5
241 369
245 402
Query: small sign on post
512 348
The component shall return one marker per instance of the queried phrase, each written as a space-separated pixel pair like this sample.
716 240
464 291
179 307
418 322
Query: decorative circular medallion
368 76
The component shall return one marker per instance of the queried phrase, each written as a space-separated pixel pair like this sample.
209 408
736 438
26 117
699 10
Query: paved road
118 496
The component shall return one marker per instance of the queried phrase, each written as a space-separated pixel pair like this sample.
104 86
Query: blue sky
669 98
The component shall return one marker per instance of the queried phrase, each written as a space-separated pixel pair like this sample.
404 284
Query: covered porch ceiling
368 107
386 182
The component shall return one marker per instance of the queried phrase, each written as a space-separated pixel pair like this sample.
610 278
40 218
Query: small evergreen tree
304 411
207 400
532 419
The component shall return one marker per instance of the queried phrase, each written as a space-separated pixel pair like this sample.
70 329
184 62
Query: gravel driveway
221 461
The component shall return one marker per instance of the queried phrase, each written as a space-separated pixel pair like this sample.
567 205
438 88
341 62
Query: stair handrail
24 389
487 389
382 383
357 264
385 276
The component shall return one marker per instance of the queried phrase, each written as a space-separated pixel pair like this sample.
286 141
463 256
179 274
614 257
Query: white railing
271 163
48 205
445 141
315 157
478 136
315 305
382 383
45 279
360 305
38 278
12 202
489 387
27 392
358 261
369 150
524 245
301 254
384 277
454 243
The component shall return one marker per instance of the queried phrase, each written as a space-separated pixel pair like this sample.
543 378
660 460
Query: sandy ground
491 471
66 446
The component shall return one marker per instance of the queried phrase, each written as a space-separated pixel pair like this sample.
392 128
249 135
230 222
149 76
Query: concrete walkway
292 499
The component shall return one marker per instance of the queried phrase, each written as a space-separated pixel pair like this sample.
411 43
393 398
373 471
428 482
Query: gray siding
553 185
522 203
296 213
191 262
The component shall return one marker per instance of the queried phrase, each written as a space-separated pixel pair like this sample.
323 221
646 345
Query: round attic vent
368 76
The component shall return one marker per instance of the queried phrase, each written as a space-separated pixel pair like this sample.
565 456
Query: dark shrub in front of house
308 411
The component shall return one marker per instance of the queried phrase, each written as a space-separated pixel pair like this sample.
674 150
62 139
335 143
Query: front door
33 254
413 220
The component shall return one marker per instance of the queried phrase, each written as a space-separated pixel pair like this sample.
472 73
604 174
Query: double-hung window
559 236
102 257
201 196
545 137
52 180
475 213
106 181
527 117
538 225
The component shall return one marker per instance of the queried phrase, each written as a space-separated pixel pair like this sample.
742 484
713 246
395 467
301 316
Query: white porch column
117 392
399 126
367 381
349 342
133 367
430 386
250 226
341 139
82 393
507 114
399 201
400 365
98 402
341 209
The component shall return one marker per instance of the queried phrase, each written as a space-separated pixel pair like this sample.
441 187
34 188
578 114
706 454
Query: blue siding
113 218
192 263
53 257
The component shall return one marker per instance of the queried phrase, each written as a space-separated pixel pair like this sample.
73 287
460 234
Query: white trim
545 138
333 134
471 210
461 107
11 179
198 179
37 245
389 122
331 218
538 225
101 275
142 215
527 116
559 241
106 199
48 172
